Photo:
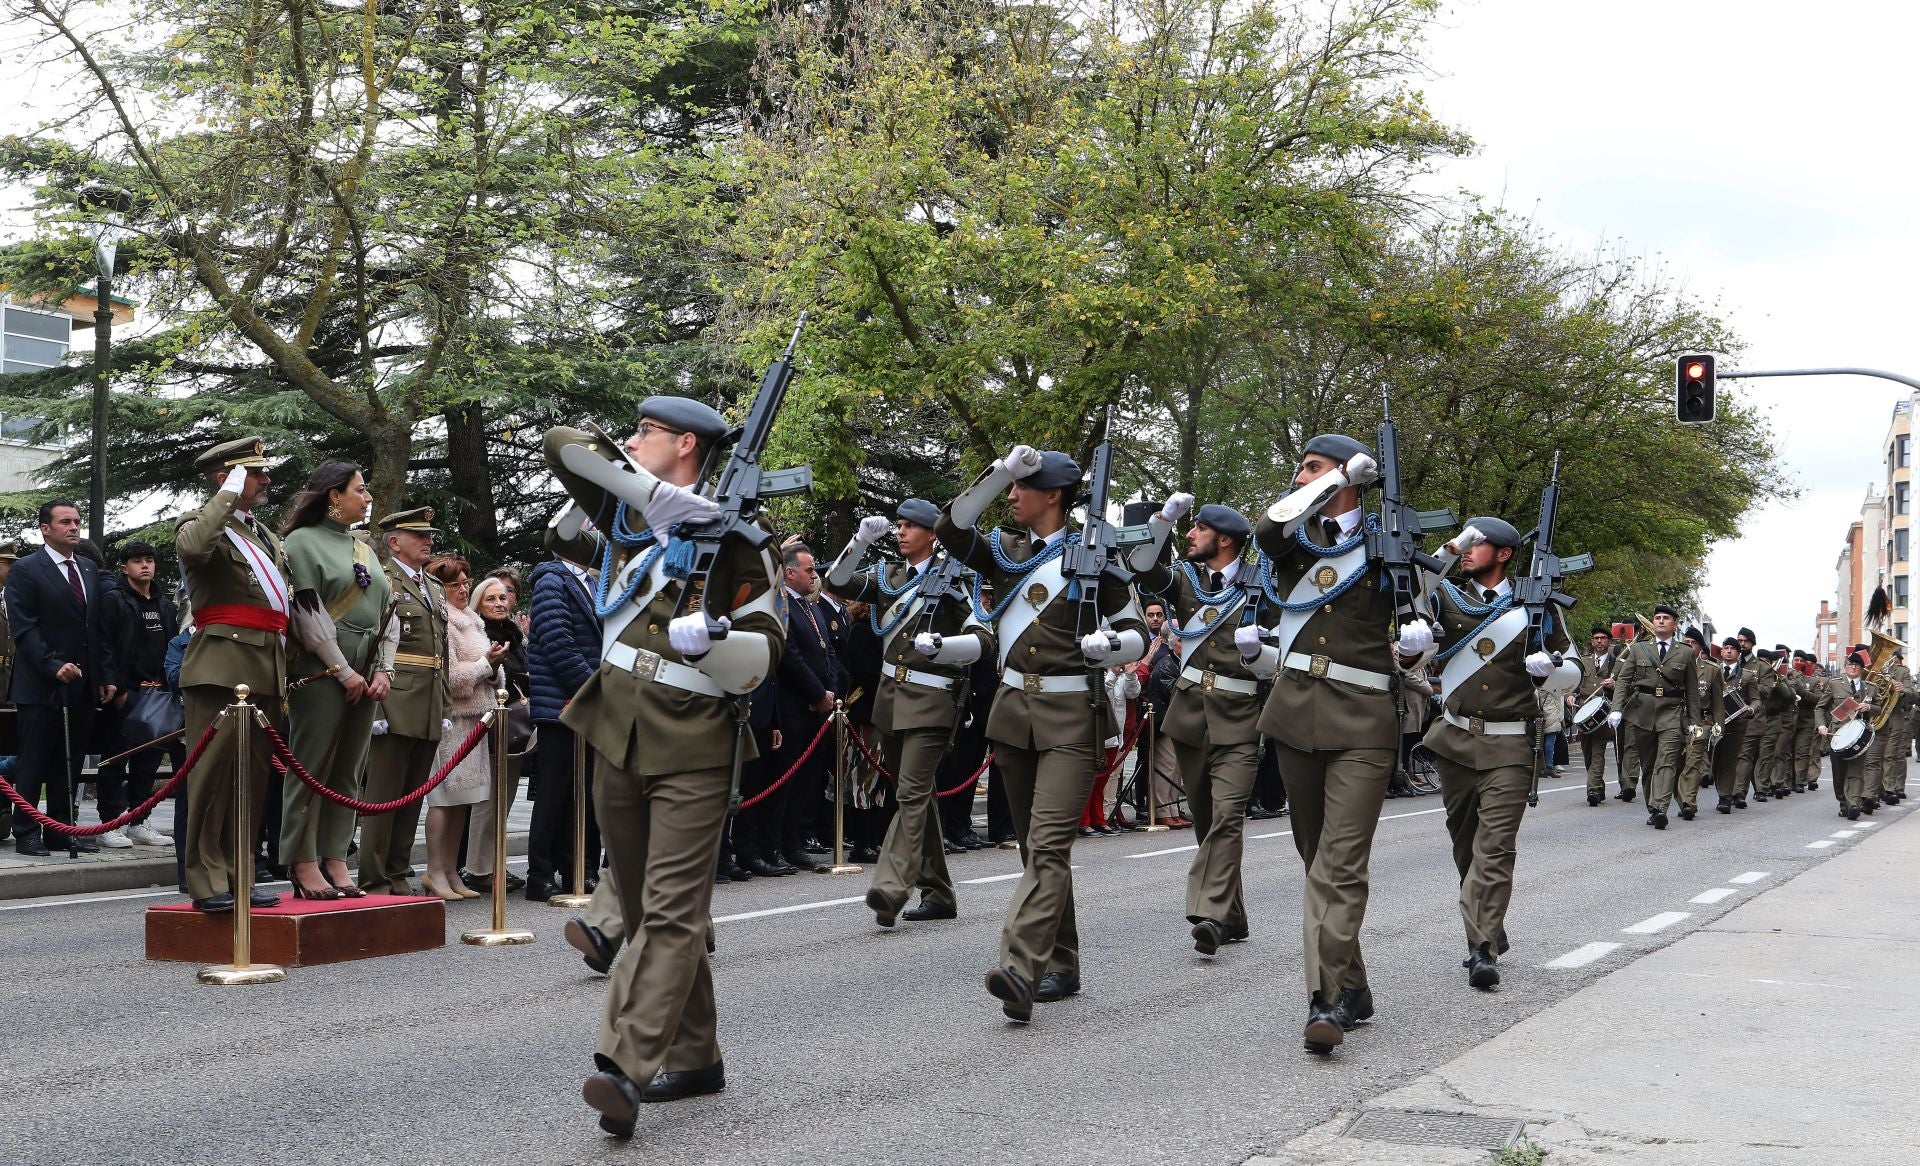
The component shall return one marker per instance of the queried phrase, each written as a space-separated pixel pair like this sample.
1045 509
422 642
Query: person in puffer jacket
563 650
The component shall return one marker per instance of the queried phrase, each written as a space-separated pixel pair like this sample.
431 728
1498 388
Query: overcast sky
1764 153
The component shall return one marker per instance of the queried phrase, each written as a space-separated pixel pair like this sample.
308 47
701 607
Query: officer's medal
1325 577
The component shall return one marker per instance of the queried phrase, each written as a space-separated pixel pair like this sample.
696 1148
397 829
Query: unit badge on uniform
1484 647
1208 614
1037 594
1325 577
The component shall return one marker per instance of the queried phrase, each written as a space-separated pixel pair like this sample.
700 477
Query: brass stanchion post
840 863
1153 800
578 897
498 935
240 718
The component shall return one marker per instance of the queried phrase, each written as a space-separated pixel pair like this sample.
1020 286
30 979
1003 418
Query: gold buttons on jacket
1328 607
1032 650
1323 639
1483 688
653 629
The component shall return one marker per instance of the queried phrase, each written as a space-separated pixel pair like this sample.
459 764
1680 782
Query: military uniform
1213 719
1593 746
1849 776
1783 714
1727 755
1805 748
235 572
1703 739
401 759
1658 686
1893 758
916 708
1757 682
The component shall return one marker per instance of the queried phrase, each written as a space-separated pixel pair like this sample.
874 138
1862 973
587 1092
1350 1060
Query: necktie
1490 595
73 581
1663 650
1214 581
1331 528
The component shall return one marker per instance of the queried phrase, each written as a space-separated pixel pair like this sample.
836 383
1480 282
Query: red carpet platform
301 932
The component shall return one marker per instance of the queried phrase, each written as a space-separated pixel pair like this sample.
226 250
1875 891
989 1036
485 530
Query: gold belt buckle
1206 681
1030 682
900 674
1477 726
1318 669
646 664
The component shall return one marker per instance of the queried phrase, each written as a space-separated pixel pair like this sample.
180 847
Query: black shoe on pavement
515 882
1481 971
885 911
1595 799
1687 813
800 860
1208 936
971 841
1812 785
1739 803
1657 820
736 873
1852 813
591 943
1355 1006
213 904
615 1097
33 846
1625 795
1759 797
865 854
261 897
926 911
815 846
1724 807
681 1083
952 847
1015 995
1869 805
1323 1033
1057 986
539 890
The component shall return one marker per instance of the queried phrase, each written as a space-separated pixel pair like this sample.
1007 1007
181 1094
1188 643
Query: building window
1900 545
33 340
1900 590
1900 632
1902 495
1903 447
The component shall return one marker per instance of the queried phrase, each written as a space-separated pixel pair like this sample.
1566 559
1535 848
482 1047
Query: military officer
407 729
1219 608
1658 680
1704 736
929 637
1484 741
1779 746
236 578
1803 751
1042 724
1332 716
1734 678
1849 780
1596 679
1893 758
662 715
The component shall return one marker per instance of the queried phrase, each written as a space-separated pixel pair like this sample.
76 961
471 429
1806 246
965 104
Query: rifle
1396 545
941 582
1539 589
1084 564
742 486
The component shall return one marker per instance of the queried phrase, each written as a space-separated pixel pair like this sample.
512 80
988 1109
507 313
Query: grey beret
1057 472
686 415
1223 520
1499 531
918 511
1337 446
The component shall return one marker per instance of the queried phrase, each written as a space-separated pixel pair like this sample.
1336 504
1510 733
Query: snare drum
1850 740
1591 716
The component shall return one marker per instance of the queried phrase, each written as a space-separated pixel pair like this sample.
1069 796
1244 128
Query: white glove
1021 461
927 644
1416 638
1468 538
1362 469
1246 637
670 504
1097 646
379 728
1176 507
1539 664
446 726
1613 719
236 480
688 634
872 529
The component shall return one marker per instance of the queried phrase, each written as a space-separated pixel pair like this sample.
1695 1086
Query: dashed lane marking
1708 898
788 910
1820 845
1660 922
999 878
1752 876
1843 834
1580 957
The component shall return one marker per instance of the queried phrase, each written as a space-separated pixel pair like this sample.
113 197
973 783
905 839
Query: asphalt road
844 1043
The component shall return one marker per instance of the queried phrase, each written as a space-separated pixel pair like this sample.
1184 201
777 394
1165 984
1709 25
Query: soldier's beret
1663 609
1499 531
685 415
1601 629
918 511
1747 634
1860 658
1780 649
1764 653
419 521
1057 472
1337 446
247 451
1731 642
1223 520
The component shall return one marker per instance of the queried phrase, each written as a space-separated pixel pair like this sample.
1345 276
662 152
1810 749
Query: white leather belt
1210 681
1028 683
904 675
1321 666
652 666
1480 728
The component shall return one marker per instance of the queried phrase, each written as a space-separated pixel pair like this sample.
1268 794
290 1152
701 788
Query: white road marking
1168 850
1708 898
1820 845
992 879
1865 825
788 910
90 899
1580 957
1843 834
1752 876
1660 922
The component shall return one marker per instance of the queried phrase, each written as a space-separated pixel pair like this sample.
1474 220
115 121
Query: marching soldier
1893 759
1756 683
1779 746
1041 725
1331 716
1804 752
1849 782
1659 685
1214 716
1704 737
661 716
1596 678
929 637
1734 679
236 577
407 731
1484 741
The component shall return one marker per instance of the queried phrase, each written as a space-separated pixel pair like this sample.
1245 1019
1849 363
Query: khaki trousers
1659 754
395 766
662 836
1806 753
914 853
603 913
213 843
1219 782
1593 747
1893 760
1693 770
1046 794
1873 766
1780 773
1484 808
1747 774
1335 796
1726 762
1849 780
318 719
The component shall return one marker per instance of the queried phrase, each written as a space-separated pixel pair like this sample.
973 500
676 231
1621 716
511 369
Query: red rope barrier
286 762
968 785
1118 760
762 796
138 812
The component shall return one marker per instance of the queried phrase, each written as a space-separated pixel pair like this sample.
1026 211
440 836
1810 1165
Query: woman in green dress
338 671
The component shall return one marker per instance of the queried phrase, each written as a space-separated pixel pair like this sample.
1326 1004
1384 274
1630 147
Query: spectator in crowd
809 684
563 650
472 660
736 863
1553 712
137 621
1158 671
504 626
968 752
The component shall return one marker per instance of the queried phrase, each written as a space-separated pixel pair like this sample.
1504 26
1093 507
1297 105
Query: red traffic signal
1693 389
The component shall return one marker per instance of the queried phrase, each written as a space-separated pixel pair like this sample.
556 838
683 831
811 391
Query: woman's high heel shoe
464 891
332 892
432 888
349 891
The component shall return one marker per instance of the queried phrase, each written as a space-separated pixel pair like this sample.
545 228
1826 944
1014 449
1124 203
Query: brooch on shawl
361 577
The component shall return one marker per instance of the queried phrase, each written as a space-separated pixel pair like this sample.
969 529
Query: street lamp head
110 204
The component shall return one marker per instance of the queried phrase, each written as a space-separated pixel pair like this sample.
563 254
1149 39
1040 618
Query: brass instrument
1886 694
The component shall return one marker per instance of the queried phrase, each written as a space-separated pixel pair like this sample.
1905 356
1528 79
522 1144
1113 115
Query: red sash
242 615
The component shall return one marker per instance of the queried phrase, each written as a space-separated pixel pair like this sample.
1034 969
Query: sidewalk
1783 1033
148 866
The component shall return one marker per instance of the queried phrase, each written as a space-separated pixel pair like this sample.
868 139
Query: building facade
1826 636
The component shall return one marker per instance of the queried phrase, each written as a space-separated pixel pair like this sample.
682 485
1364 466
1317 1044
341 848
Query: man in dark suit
809 685
63 669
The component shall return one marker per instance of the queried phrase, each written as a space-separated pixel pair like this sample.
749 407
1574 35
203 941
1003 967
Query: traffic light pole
1908 381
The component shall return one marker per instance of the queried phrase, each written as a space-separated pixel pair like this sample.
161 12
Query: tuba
1885 696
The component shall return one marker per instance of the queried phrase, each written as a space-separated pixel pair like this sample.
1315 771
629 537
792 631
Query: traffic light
1693 389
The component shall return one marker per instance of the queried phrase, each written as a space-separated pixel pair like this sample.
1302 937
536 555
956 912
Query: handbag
520 730
152 713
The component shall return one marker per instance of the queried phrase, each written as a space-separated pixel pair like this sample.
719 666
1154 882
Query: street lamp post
103 248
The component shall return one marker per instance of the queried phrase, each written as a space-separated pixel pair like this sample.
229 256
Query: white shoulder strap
1328 575
1041 587
1469 660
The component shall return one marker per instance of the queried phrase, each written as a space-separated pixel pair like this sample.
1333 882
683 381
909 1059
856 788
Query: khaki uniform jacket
419 698
1050 645
218 574
1308 713
1594 669
1833 691
1500 691
642 726
1658 695
1713 685
1200 714
1899 673
901 704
